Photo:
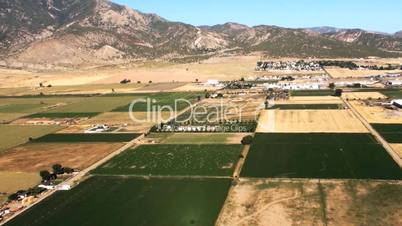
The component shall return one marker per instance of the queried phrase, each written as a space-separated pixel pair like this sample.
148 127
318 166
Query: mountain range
97 32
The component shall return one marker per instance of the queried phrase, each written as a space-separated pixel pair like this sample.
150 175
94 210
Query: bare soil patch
311 100
377 114
11 182
347 73
309 121
398 149
33 157
364 95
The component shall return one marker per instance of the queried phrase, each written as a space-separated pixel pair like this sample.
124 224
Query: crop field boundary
79 177
376 134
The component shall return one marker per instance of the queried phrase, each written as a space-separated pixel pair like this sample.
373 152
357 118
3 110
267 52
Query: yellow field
364 95
377 114
272 202
347 73
311 100
398 149
305 121
11 182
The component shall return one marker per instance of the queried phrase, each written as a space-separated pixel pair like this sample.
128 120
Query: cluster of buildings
288 66
296 86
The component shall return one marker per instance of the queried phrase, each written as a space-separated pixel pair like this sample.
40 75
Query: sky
372 15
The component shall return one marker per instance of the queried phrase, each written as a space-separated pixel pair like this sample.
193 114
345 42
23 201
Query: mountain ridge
96 32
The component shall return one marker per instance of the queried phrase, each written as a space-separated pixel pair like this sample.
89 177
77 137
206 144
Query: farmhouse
397 103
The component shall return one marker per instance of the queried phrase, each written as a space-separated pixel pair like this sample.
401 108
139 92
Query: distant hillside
96 32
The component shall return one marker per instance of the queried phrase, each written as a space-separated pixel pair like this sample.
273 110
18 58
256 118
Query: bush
247 140
57 169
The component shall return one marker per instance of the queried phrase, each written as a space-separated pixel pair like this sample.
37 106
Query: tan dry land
11 182
34 157
398 149
377 114
265 202
309 121
364 95
311 100
222 68
347 73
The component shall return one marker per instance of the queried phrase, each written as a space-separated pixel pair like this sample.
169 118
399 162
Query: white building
397 103
98 129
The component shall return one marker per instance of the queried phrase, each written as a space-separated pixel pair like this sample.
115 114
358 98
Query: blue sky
374 15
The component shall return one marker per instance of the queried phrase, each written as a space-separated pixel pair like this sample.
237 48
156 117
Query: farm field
34 157
309 121
11 182
398 149
376 114
105 201
197 138
161 99
319 155
394 94
301 93
86 137
308 106
311 100
391 132
274 202
347 73
13 135
364 95
177 160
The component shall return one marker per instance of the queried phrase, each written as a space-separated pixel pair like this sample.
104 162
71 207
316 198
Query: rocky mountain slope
96 32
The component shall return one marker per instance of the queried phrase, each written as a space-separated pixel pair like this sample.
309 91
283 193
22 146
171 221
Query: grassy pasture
307 106
13 135
55 115
181 160
84 137
95 104
391 132
105 201
161 99
327 156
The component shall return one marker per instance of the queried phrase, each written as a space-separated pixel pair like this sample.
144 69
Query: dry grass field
309 121
364 95
347 73
377 114
311 100
398 149
11 182
196 138
259 202
34 157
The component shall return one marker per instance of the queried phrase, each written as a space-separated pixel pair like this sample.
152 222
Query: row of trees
57 170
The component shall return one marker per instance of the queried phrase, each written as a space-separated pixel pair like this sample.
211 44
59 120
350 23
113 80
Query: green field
85 137
107 201
327 156
95 104
308 106
177 160
161 99
326 92
13 135
55 115
391 132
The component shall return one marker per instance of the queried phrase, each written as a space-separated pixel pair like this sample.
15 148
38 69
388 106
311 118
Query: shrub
247 140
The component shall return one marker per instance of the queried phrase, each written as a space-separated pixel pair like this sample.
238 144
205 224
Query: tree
150 82
332 85
45 175
57 169
247 140
338 92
